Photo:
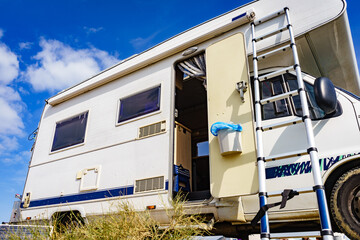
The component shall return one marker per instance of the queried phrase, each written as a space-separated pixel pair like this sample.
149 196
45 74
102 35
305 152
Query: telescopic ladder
326 231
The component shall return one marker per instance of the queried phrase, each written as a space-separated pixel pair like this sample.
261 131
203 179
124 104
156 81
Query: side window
202 149
289 106
276 109
315 111
70 132
139 104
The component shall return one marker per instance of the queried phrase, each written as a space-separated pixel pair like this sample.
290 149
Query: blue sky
46 46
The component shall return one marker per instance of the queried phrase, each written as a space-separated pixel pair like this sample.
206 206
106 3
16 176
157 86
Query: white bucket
229 141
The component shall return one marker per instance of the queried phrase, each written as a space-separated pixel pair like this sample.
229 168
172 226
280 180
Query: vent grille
149 184
153 129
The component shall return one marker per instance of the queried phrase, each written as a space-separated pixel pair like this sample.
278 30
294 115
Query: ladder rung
282 124
266 35
285 155
269 17
299 190
279 97
275 73
262 56
295 234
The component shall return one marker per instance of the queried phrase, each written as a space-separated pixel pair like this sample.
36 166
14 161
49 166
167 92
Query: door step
295 235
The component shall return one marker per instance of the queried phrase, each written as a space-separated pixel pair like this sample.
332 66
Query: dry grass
127 224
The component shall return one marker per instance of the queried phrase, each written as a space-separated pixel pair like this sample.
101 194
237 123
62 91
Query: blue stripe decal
237 17
303 167
129 190
116 192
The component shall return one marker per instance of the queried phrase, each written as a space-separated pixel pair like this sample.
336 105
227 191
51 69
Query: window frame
287 103
290 102
310 80
75 145
117 123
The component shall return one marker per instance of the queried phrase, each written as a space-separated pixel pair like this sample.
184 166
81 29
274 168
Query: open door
226 65
191 155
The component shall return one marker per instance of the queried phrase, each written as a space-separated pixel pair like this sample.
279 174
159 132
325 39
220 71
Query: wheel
345 203
67 221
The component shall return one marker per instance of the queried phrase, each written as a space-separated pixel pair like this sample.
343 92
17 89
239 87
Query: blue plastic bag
216 127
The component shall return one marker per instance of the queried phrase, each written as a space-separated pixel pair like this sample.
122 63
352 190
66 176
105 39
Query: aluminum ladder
326 230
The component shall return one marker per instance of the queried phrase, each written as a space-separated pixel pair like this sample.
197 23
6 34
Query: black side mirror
325 94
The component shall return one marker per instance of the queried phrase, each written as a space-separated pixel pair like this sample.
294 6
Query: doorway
191 156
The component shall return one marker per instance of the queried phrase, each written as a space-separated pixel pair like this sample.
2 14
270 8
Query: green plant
127 223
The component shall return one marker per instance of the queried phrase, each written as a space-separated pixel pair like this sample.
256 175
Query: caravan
140 130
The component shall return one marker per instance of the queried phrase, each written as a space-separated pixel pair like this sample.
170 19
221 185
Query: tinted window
278 108
202 149
139 104
289 106
70 132
315 111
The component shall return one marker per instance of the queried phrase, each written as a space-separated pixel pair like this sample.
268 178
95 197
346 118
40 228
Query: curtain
194 67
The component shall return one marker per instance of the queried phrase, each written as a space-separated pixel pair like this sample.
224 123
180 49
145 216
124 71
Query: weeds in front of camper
129 224
28 231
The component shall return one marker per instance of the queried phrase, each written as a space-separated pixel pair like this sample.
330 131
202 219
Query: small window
139 104
202 149
315 111
278 108
292 105
70 132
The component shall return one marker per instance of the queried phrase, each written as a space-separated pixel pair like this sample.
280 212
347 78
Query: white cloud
23 91
60 66
1 33
9 65
9 94
141 44
11 123
7 144
21 157
10 100
25 45
92 29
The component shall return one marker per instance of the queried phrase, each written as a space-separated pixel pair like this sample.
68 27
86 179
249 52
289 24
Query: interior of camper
191 156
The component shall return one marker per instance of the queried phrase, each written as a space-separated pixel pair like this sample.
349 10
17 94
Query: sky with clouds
47 46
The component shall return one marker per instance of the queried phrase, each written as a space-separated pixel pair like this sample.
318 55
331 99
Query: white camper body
120 155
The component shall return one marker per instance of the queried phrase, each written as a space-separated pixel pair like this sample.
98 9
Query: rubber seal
311 149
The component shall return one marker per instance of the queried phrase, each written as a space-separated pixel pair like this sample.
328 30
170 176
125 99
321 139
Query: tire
345 203
67 221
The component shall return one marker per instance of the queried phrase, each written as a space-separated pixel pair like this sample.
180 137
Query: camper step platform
197 195
295 235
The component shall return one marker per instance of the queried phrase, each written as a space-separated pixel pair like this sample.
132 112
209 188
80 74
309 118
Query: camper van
141 131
